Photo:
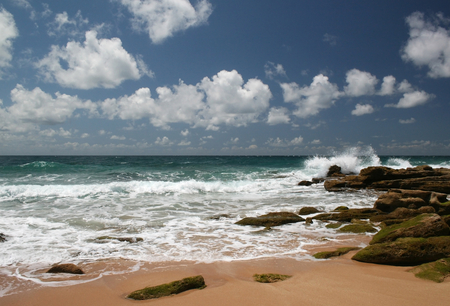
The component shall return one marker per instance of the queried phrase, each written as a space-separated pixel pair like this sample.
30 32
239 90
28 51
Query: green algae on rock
358 228
424 225
195 282
334 225
336 253
435 271
270 278
406 251
65 268
271 219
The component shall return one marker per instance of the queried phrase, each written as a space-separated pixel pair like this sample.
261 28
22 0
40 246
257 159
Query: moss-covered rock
348 215
308 211
341 208
176 287
338 252
122 239
406 251
65 268
271 219
334 225
270 278
436 271
399 213
425 225
358 228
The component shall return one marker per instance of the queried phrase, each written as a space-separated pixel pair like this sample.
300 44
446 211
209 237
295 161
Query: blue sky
224 77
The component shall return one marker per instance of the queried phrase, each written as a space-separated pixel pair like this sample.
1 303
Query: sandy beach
338 281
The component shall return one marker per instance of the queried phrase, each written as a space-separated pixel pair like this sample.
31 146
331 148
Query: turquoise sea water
52 208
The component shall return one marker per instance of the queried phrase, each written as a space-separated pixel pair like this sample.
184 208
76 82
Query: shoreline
336 281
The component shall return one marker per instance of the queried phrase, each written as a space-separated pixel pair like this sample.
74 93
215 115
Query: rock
435 271
425 225
318 180
2 237
446 219
305 183
348 215
270 278
341 208
338 252
122 239
358 228
308 211
395 198
399 213
65 268
176 287
271 219
334 171
406 251
390 222
218 217
334 225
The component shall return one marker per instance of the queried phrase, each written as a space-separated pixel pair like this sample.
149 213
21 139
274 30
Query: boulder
270 278
189 283
341 208
399 213
357 228
271 219
305 183
65 268
425 225
435 271
334 171
308 211
338 252
406 251
348 215
395 198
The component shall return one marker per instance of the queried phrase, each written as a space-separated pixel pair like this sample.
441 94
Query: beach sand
338 281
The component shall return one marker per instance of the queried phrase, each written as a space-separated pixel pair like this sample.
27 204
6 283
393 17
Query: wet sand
338 281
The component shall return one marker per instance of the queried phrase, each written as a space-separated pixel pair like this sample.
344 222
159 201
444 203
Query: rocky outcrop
395 198
358 228
176 287
65 268
271 219
384 178
348 215
406 251
435 271
308 211
424 225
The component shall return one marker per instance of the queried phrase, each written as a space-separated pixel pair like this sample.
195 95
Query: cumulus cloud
115 137
388 86
428 44
407 121
163 141
8 31
412 99
362 109
163 18
63 24
321 94
273 70
360 83
95 63
278 116
278 142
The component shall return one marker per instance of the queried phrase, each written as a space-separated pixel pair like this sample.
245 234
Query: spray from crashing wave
351 160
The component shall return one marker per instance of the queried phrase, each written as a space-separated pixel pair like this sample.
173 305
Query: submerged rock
176 287
122 239
425 225
65 268
271 219
406 251
2 237
270 278
338 252
435 271
305 183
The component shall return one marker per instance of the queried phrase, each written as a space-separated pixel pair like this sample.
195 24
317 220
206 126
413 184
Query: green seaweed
195 282
435 271
270 278
338 252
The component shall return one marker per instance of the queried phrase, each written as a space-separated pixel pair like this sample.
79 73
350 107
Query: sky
224 77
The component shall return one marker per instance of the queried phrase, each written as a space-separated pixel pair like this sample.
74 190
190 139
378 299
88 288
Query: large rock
395 198
435 271
384 178
406 251
425 225
308 211
65 268
271 219
348 215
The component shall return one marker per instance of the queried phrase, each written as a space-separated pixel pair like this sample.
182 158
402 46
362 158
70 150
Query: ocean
53 209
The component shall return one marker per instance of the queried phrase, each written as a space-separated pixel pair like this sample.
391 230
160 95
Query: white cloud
405 86
412 99
31 108
85 135
428 44
185 132
184 143
360 83
316 142
278 116
163 141
331 39
388 86
321 94
65 25
273 70
115 137
278 142
163 18
361 109
8 31
407 121
95 63
51 133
